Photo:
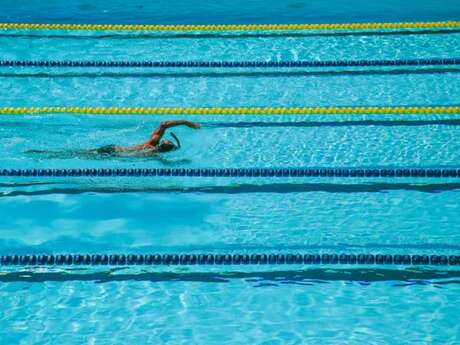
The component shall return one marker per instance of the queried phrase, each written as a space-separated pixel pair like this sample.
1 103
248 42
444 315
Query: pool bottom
282 307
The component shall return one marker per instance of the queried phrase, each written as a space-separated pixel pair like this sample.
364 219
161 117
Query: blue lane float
231 64
402 172
229 259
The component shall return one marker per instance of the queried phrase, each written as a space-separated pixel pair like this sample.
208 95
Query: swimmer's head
166 146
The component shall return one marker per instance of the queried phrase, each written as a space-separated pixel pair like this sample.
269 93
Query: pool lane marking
355 110
233 27
231 64
297 172
229 259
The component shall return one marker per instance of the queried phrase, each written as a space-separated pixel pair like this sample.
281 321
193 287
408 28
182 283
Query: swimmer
154 144
152 147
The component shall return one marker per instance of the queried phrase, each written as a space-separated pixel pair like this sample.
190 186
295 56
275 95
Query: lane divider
230 64
238 172
232 27
406 110
228 259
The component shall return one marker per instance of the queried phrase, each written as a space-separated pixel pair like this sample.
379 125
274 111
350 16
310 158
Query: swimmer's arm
160 131
169 124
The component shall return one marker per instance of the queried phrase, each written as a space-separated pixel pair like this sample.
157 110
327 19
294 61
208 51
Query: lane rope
228 259
234 27
230 64
238 172
342 110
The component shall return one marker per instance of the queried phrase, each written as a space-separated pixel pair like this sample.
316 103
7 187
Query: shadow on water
346 123
242 35
14 184
254 124
278 188
92 154
315 276
97 73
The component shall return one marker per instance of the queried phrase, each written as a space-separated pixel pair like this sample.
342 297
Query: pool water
232 304
226 11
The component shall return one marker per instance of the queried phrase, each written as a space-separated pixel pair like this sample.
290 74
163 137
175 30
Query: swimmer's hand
195 125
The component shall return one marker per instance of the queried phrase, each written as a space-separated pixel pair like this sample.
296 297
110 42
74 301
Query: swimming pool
267 304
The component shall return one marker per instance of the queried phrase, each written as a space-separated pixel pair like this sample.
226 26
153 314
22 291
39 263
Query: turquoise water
226 11
234 305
